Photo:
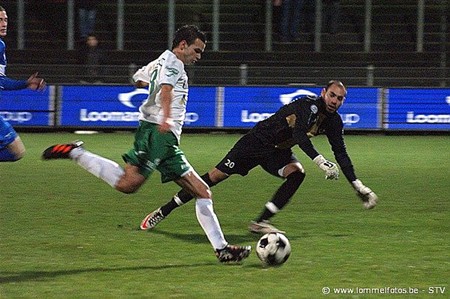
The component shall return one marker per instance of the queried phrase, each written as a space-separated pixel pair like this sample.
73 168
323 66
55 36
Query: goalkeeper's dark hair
2 8
189 33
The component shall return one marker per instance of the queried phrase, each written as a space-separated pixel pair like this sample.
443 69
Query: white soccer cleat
152 219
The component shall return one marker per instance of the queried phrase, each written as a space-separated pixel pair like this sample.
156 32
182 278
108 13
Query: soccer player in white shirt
156 145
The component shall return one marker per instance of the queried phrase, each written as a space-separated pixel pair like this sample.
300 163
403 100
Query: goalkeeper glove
330 168
368 197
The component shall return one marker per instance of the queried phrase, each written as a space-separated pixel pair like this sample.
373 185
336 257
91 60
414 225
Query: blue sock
7 156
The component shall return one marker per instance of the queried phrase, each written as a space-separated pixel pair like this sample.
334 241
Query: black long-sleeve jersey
301 119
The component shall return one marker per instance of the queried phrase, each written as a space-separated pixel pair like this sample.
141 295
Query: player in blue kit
11 146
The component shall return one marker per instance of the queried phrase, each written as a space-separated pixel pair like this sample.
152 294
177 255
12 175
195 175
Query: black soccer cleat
60 151
233 253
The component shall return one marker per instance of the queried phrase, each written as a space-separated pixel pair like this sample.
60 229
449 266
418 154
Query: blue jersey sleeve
10 84
5 82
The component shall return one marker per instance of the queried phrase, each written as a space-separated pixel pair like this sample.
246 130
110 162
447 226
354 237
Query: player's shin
282 196
177 200
209 222
107 170
182 197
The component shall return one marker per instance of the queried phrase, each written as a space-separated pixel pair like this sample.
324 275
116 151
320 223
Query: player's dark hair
334 82
189 33
2 8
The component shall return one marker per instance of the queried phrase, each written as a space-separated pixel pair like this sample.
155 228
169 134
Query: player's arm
36 83
336 140
330 168
166 100
334 133
11 84
304 115
141 77
33 82
141 84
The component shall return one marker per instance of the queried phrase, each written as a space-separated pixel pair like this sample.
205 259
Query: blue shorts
7 133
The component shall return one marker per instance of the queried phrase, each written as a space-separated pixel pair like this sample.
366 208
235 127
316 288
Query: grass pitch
66 234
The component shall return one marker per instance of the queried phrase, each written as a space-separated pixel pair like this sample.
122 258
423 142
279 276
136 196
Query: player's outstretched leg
233 253
61 151
283 195
105 169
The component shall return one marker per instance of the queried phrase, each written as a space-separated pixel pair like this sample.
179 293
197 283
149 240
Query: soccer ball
273 249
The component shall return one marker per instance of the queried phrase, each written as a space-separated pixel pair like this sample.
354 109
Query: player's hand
366 194
165 126
36 83
330 168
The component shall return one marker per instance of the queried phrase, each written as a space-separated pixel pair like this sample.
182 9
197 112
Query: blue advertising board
245 106
361 109
28 108
117 106
201 108
224 107
418 109
100 106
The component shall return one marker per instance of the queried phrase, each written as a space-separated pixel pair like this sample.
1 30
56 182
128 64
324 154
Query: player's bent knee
127 188
299 167
6 155
206 193
20 155
130 181
291 168
15 158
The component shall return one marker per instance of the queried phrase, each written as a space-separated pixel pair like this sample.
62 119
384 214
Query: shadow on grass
233 239
15 277
201 238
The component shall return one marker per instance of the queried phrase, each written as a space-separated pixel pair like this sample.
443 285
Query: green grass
66 234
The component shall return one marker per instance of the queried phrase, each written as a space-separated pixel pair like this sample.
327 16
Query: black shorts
250 152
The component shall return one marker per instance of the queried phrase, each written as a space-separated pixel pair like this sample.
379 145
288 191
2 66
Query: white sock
209 222
178 200
107 170
272 207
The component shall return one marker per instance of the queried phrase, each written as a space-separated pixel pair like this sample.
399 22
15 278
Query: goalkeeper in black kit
268 144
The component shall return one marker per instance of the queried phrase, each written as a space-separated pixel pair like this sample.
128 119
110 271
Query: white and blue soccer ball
273 249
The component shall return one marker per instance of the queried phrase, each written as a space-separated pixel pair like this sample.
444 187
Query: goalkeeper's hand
330 168
366 194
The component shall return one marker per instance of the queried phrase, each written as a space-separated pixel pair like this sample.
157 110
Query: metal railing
242 74
215 8
250 75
